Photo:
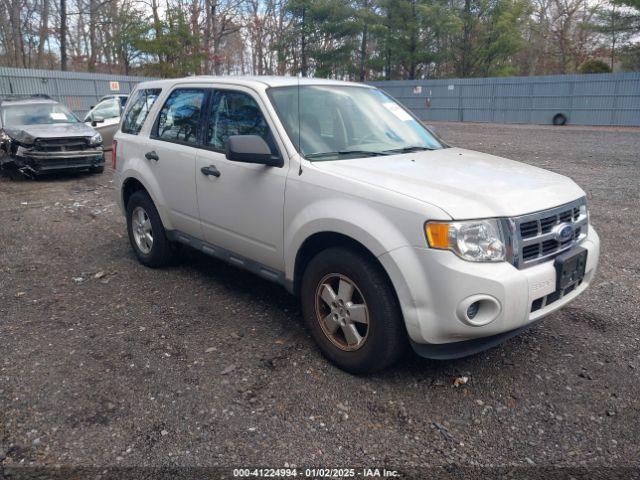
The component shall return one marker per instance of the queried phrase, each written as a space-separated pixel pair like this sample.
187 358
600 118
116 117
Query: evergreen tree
177 48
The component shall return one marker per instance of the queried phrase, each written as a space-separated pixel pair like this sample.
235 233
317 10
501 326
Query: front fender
350 217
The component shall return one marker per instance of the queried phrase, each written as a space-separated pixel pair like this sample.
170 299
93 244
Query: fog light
472 311
478 310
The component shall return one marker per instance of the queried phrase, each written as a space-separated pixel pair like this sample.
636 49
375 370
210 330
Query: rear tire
146 232
352 311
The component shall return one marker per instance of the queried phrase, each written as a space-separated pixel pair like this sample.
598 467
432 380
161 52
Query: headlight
96 140
584 210
17 135
472 240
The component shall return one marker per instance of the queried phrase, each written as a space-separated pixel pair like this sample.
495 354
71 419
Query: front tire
352 312
146 232
97 169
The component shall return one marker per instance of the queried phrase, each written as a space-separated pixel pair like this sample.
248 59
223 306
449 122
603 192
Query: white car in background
387 235
104 117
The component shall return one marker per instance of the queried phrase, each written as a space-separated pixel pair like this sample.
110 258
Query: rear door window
138 110
179 119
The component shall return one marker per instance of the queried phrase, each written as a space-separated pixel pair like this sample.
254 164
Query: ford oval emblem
564 232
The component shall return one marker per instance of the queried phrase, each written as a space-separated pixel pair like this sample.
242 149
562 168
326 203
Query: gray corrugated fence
79 91
598 99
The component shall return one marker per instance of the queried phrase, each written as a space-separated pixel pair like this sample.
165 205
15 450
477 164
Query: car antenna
299 130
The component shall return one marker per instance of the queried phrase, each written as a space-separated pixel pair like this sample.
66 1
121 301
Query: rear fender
139 170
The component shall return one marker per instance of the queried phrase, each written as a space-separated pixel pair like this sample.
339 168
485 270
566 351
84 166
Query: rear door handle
152 155
210 170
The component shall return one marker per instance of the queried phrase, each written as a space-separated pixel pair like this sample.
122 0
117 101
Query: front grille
529 229
72 144
531 251
538 235
547 223
67 162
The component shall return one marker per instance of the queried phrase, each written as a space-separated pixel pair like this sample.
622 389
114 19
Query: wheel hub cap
142 231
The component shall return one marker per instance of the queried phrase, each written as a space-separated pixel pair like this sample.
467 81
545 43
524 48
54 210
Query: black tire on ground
559 119
161 252
98 169
386 337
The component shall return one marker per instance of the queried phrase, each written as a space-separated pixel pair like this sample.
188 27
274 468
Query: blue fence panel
597 99
79 91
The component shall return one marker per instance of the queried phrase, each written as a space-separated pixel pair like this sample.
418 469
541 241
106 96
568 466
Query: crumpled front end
50 154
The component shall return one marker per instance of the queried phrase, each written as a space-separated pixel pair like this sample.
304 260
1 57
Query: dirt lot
105 362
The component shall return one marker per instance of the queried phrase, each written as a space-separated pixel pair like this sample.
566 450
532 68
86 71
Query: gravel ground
104 362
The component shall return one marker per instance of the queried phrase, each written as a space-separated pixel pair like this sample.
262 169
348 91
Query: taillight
114 151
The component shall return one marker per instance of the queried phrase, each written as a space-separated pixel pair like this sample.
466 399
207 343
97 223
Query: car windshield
106 109
340 122
36 114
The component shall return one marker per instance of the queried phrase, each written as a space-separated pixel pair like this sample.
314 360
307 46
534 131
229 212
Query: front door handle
210 170
152 155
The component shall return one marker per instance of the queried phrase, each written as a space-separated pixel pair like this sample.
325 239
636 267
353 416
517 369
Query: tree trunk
413 44
157 24
303 44
63 34
613 35
16 32
195 27
44 32
465 61
388 46
92 36
363 53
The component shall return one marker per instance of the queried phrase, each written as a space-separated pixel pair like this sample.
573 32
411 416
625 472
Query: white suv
332 189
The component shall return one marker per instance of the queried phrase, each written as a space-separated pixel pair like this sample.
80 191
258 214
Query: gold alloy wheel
342 312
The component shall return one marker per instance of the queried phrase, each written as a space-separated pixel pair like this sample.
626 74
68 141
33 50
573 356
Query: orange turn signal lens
437 234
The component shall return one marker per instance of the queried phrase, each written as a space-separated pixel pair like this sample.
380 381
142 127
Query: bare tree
562 37
63 34
356 39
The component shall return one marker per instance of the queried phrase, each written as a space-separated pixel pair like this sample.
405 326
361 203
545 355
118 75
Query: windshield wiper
412 148
346 152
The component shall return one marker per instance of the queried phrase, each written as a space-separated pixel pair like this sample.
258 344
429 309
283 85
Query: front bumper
434 286
41 162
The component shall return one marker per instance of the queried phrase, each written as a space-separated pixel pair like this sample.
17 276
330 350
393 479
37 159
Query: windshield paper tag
397 111
58 116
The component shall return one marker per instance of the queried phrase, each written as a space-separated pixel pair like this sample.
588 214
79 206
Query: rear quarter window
138 110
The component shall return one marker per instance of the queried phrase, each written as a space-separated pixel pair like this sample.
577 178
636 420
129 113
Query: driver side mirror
251 149
96 120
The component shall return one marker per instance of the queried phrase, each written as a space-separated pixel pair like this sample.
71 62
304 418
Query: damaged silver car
39 135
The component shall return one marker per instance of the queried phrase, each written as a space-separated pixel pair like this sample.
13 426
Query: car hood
24 133
463 183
